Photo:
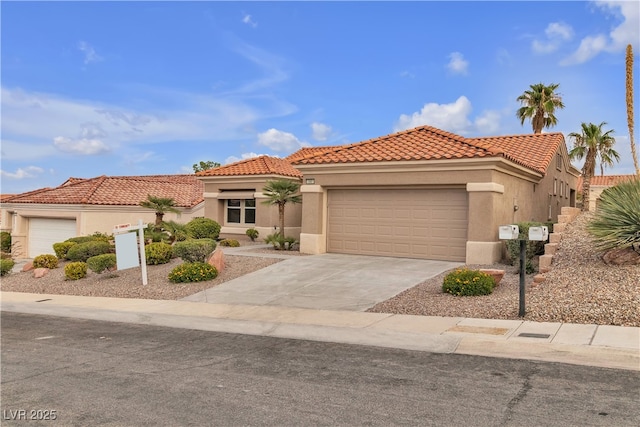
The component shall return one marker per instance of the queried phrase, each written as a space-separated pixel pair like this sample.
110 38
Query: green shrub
193 272
465 282
617 219
281 243
5 241
252 233
81 239
158 253
177 232
203 228
6 265
62 248
84 251
533 248
194 250
100 263
45 261
155 234
230 243
102 236
75 270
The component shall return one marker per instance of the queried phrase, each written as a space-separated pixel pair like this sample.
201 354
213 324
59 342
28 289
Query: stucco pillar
313 236
483 246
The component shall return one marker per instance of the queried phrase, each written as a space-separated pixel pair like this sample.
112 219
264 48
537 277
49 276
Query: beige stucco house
79 207
600 183
420 193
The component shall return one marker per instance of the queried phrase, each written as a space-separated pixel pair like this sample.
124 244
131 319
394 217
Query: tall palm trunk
587 173
629 69
281 216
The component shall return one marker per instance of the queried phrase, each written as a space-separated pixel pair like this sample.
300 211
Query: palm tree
607 155
161 205
539 105
281 192
588 144
629 79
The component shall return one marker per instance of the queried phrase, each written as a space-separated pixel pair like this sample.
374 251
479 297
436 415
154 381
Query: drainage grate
530 335
43 300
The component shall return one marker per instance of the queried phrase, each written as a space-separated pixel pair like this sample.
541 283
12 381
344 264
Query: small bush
103 237
6 265
75 270
252 233
194 250
281 243
62 248
203 228
100 263
5 241
158 253
230 243
45 261
193 272
81 239
84 251
465 282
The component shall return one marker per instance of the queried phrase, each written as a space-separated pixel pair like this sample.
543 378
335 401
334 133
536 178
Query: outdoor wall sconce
310 181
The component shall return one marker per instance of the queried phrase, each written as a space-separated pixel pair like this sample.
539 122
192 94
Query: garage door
419 223
44 232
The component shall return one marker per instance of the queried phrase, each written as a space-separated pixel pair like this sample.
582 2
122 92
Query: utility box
539 233
508 232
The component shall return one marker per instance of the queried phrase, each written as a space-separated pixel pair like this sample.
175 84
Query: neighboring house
420 193
78 207
600 183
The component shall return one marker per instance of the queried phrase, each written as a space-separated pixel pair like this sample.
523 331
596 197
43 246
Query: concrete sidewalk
604 346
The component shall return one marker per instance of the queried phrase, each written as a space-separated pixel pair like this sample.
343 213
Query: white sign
127 251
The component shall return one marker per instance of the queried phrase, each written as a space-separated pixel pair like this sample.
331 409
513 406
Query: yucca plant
617 219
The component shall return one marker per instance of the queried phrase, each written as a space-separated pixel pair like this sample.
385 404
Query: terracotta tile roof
186 190
421 143
4 197
606 180
263 165
308 152
535 151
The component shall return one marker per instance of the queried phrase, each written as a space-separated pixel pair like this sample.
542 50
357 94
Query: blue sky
139 88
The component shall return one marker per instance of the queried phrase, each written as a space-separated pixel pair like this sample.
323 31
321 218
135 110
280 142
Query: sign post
130 253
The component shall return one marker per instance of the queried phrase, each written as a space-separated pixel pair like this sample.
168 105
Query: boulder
539 278
40 272
217 260
626 256
496 274
28 266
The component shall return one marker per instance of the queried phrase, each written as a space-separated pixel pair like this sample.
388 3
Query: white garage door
44 232
418 223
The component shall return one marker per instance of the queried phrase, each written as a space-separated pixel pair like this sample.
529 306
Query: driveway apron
325 282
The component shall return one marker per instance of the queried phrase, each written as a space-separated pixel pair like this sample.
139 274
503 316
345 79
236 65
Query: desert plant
100 263
539 105
62 248
84 251
5 241
203 228
177 231
75 270
279 193
160 205
252 233
158 253
155 234
194 250
6 265
465 282
281 243
230 243
193 272
617 220
45 261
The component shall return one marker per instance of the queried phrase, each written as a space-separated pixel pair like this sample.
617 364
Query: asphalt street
87 372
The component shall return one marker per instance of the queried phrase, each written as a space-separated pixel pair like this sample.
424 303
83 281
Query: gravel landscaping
580 288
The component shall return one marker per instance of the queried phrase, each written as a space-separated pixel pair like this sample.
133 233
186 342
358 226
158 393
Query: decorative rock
217 260
545 270
539 278
28 266
496 274
626 256
40 272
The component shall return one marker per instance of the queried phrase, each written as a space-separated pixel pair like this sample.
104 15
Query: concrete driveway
325 282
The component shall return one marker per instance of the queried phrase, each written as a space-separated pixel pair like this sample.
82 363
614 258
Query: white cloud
82 146
320 131
457 64
243 156
20 173
249 21
626 32
556 33
89 52
278 140
488 122
450 117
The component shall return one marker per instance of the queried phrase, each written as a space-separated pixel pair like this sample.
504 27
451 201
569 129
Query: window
241 211
559 161
555 186
561 188
566 191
